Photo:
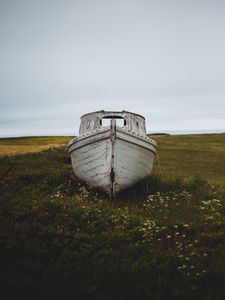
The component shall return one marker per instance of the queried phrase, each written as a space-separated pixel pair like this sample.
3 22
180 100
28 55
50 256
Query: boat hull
112 160
132 164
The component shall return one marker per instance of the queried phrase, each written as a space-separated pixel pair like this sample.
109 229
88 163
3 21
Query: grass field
13 146
186 156
163 239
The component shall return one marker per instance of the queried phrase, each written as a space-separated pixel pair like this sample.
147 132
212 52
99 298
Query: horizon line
170 132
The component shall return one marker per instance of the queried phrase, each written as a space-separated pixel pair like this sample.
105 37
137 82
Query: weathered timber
112 158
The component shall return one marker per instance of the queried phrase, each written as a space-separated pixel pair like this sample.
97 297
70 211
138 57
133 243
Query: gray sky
164 59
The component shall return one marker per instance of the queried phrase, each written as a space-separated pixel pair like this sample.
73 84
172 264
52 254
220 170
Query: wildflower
216 200
209 217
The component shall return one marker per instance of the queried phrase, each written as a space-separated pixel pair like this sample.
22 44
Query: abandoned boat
112 157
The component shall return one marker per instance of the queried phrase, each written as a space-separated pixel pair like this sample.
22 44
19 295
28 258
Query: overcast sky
164 59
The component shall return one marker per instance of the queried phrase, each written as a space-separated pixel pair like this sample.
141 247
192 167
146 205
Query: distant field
12 146
185 156
178 155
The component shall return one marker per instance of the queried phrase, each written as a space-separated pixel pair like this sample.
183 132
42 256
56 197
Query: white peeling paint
112 158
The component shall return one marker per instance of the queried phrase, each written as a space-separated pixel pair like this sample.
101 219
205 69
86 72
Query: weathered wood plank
112 158
92 164
131 164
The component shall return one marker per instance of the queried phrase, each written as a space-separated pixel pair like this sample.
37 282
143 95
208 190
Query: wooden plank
92 164
131 164
112 158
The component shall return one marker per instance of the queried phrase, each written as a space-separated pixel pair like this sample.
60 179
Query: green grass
162 239
186 156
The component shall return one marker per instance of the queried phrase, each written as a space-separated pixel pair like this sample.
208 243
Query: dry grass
21 149
13 146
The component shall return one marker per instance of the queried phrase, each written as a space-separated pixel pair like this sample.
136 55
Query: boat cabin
97 120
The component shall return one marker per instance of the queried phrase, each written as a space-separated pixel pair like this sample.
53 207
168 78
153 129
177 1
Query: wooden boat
112 158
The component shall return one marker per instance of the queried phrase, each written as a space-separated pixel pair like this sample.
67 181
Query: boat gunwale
105 136
133 134
81 137
92 138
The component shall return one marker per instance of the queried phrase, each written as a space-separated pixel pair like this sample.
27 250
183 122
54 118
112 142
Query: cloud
59 60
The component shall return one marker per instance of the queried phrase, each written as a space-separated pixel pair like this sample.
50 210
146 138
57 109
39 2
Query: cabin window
137 124
120 122
88 124
105 122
